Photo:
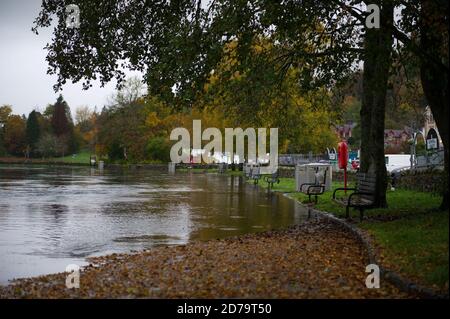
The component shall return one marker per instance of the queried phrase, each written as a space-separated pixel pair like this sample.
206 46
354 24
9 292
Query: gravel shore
314 260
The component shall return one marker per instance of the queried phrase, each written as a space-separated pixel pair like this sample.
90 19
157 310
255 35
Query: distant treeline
48 134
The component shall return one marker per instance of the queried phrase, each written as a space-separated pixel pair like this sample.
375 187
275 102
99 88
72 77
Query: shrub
158 148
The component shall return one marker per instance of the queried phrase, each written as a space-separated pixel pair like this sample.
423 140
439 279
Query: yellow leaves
257 48
284 147
405 107
100 149
230 46
152 120
349 100
236 76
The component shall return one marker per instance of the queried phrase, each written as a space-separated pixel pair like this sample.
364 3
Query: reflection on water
52 217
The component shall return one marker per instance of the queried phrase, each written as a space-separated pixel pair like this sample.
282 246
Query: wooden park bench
362 196
272 179
317 188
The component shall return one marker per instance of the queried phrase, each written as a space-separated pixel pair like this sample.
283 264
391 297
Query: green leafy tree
122 130
158 148
33 132
122 126
48 145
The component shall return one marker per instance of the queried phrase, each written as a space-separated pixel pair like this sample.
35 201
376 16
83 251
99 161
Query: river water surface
51 217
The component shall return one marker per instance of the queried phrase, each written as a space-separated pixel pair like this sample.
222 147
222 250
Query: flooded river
51 217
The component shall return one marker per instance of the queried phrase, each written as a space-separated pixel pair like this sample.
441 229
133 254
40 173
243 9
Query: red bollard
343 160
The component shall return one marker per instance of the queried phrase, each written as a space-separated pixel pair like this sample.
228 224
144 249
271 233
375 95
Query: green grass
411 232
235 173
400 202
82 157
417 246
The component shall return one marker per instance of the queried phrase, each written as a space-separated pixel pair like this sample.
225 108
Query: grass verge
416 246
411 234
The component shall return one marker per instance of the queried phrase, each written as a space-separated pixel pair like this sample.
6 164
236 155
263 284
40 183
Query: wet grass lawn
417 246
83 157
411 234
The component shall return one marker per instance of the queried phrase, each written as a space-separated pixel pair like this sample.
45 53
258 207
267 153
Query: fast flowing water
51 217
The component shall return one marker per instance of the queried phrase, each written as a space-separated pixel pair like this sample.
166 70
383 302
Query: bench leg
316 198
309 196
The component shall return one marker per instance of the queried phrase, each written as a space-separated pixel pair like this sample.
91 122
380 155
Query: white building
430 128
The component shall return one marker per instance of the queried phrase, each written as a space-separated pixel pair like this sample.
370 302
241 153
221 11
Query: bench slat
366 189
365 175
315 190
365 183
360 201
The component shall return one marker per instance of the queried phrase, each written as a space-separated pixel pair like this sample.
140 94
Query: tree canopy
177 44
33 131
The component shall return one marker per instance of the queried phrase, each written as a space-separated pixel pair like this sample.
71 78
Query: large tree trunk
434 41
377 62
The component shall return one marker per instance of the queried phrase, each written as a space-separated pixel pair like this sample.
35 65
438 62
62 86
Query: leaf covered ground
313 260
411 234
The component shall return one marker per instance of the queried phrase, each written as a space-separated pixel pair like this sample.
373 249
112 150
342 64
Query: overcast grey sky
24 82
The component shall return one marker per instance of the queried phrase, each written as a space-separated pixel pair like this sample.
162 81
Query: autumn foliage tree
60 123
257 97
15 135
5 112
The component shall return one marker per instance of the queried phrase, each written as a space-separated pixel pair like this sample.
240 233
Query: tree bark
377 62
434 40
